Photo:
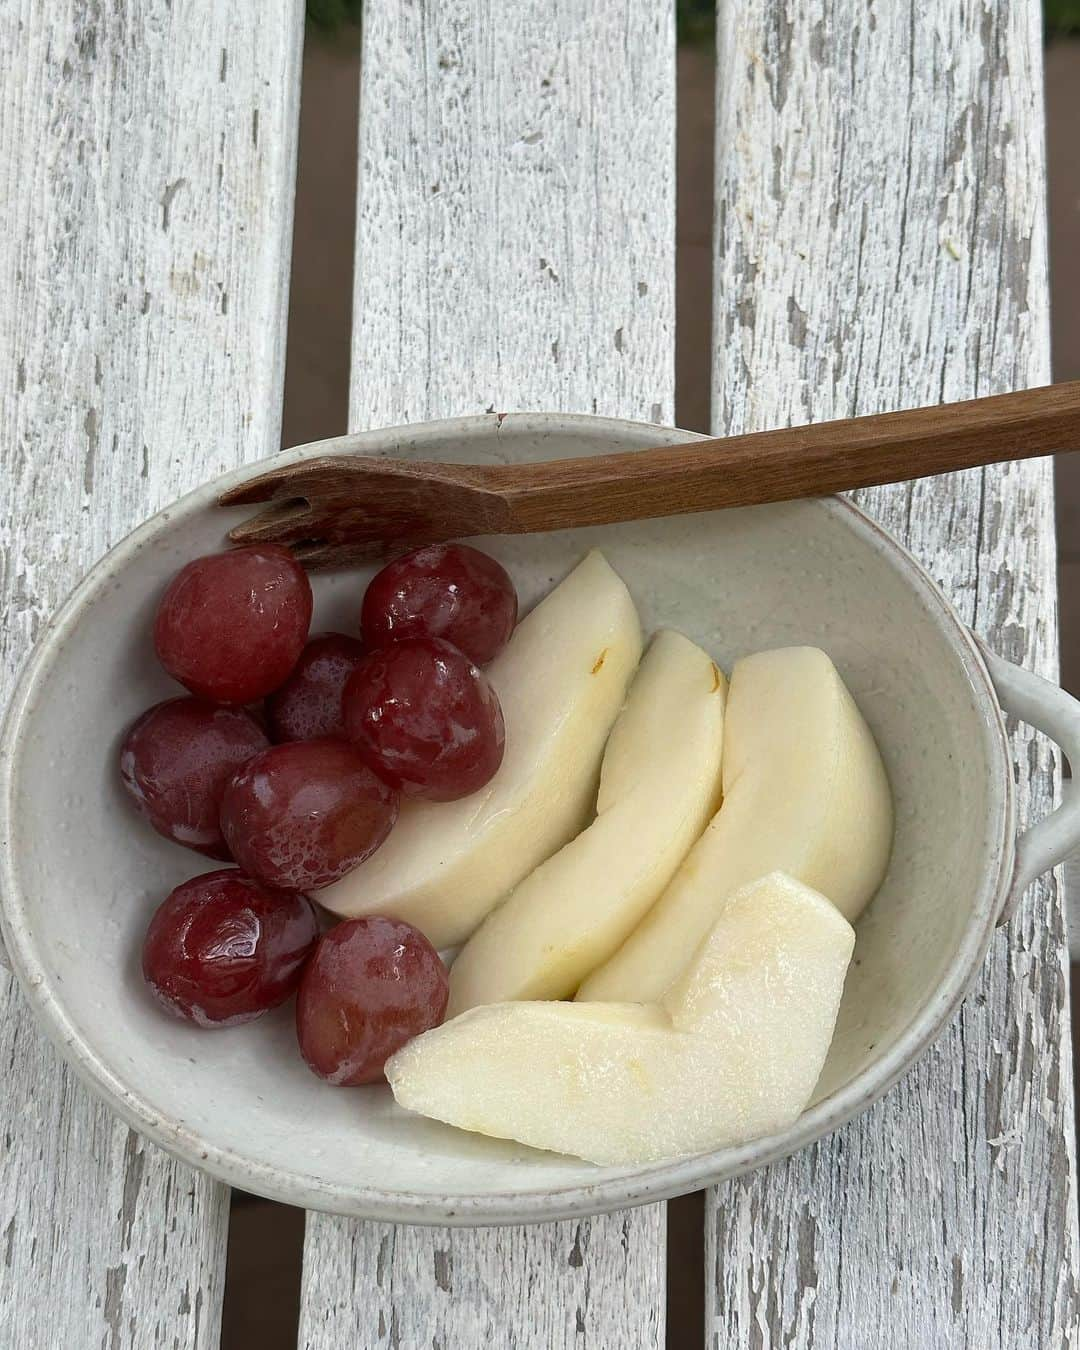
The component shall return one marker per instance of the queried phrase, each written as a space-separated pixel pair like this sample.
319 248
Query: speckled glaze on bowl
80 875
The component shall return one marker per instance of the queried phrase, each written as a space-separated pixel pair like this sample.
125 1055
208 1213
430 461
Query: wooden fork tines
347 510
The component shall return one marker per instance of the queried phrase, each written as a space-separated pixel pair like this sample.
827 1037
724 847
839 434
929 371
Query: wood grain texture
341 509
515 250
880 243
1070 884
146 168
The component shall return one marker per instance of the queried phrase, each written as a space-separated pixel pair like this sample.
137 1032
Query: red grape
447 591
222 949
175 762
302 814
231 626
425 719
308 704
372 985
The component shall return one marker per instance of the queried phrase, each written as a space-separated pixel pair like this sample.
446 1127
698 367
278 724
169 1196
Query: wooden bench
879 242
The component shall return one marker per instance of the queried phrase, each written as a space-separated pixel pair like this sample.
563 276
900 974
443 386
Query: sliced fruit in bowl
561 681
636 904
778 577
659 785
732 1052
805 791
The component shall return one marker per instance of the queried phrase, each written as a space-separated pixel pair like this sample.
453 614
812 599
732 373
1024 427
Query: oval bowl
81 875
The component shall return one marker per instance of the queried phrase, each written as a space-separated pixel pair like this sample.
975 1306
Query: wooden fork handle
338 509
770 466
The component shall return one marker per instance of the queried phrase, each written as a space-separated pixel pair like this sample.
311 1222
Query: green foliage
332 15
1061 16
696 20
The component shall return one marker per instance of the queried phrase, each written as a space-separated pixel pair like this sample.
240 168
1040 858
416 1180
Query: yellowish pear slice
659 786
732 1053
805 792
561 680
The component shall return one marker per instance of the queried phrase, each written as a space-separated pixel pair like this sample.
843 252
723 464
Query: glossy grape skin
302 814
175 761
425 719
448 591
222 949
231 626
371 986
308 704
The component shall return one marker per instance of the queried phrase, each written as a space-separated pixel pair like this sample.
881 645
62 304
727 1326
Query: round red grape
175 762
222 949
231 626
302 814
447 591
425 719
308 704
372 985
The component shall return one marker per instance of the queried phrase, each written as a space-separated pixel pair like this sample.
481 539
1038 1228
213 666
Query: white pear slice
733 1052
805 792
561 680
659 785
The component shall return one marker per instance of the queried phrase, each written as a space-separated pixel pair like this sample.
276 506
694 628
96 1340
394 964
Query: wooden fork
340 509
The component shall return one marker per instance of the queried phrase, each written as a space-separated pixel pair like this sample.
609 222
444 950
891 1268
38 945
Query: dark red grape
308 704
446 591
222 949
231 626
175 762
372 985
425 719
302 814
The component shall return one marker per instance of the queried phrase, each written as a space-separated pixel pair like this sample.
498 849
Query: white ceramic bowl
80 875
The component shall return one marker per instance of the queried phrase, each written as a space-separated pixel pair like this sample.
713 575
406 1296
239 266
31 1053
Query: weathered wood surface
515 250
880 242
1071 888
146 175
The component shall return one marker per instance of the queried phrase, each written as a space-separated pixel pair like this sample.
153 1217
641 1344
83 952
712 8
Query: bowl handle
1052 711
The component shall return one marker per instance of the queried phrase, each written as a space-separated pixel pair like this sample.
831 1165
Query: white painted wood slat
881 243
515 250
146 181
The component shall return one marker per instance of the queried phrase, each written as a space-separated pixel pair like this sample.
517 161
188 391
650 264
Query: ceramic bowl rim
649 1183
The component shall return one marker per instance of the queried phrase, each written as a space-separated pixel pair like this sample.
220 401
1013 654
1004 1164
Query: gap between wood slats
693 356
266 1240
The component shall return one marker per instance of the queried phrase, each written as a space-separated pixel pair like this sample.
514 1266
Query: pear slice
731 1054
805 792
561 680
659 785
